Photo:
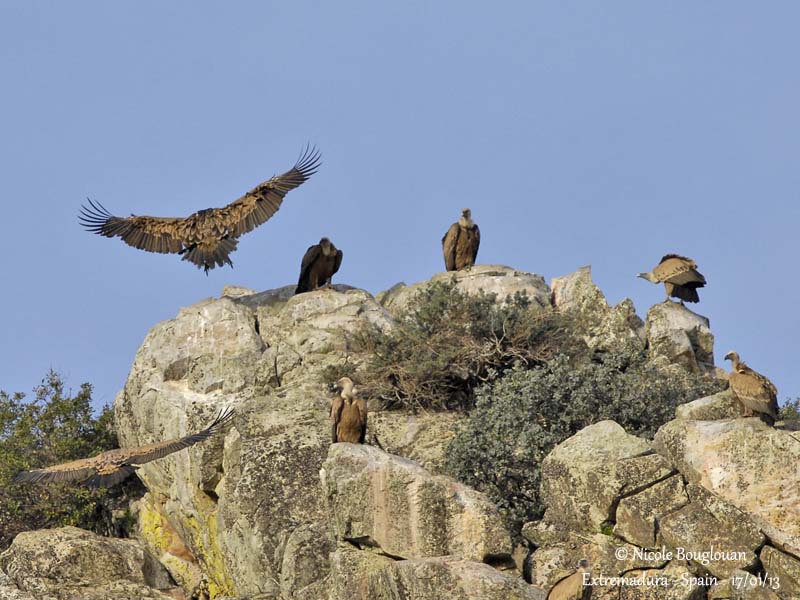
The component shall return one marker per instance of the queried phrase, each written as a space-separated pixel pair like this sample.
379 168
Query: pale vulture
572 587
679 276
460 243
320 262
348 414
109 468
756 394
207 237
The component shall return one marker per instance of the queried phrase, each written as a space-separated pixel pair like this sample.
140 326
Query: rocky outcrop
720 514
678 336
602 327
492 279
73 564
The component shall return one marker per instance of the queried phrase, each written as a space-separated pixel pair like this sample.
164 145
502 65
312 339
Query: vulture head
325 244
346 387
733 357
466 213
649 276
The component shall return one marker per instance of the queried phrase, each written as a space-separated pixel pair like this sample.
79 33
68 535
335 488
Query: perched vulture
756 393
109 468
320 262
460 243
679 276
207 237
572 587
348 414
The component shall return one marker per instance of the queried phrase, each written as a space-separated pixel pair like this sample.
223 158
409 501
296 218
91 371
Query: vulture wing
338 262
477 242
755 390
153 234
111 467
76 470
361 406
449 242
311 255
336 414
264 200
145 454
672 266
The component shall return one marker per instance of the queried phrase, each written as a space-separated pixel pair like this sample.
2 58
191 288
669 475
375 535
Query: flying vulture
679 276
756 393
572 586
109 468
207 237
460 243
348 414
320 262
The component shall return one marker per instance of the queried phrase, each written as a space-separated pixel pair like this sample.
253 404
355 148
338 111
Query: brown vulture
348 414
756 394
207 237
460 243
320 262
679 276
572 586
109 468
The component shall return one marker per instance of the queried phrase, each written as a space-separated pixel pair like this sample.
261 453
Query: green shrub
447 342
790 411
518 419
54 427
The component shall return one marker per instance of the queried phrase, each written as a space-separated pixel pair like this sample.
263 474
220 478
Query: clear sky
602 133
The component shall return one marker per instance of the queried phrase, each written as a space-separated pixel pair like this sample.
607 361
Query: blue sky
579 133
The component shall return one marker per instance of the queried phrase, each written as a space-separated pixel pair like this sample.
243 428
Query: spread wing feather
145 454
208 229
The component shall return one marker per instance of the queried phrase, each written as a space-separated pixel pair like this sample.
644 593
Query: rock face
73 564
385 501
492 279
735 521
677 336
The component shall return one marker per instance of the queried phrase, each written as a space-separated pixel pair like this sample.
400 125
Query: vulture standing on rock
460 243
756 393
348 414
109 468
679 276
572 587
207 237
320 262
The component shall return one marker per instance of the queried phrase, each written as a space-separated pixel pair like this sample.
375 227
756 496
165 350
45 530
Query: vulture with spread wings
109 468
207 237
679 275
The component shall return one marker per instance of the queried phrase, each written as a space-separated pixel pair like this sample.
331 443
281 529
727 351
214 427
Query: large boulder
602 327
492 279
584 476
384 501
360 575
73 564
746 463
678 336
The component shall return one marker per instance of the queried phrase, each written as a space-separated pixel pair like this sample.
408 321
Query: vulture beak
642 275
729 356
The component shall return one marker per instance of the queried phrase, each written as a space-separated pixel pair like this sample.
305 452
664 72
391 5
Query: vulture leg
746 411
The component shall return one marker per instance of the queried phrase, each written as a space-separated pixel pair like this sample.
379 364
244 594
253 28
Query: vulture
572 586
460 243
679 276
109 468
207 237
348 414
756 394
320 262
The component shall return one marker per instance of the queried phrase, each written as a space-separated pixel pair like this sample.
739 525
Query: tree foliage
52 427
518 419
447 342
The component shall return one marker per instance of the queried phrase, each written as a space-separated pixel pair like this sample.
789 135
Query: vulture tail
686 293
207 256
